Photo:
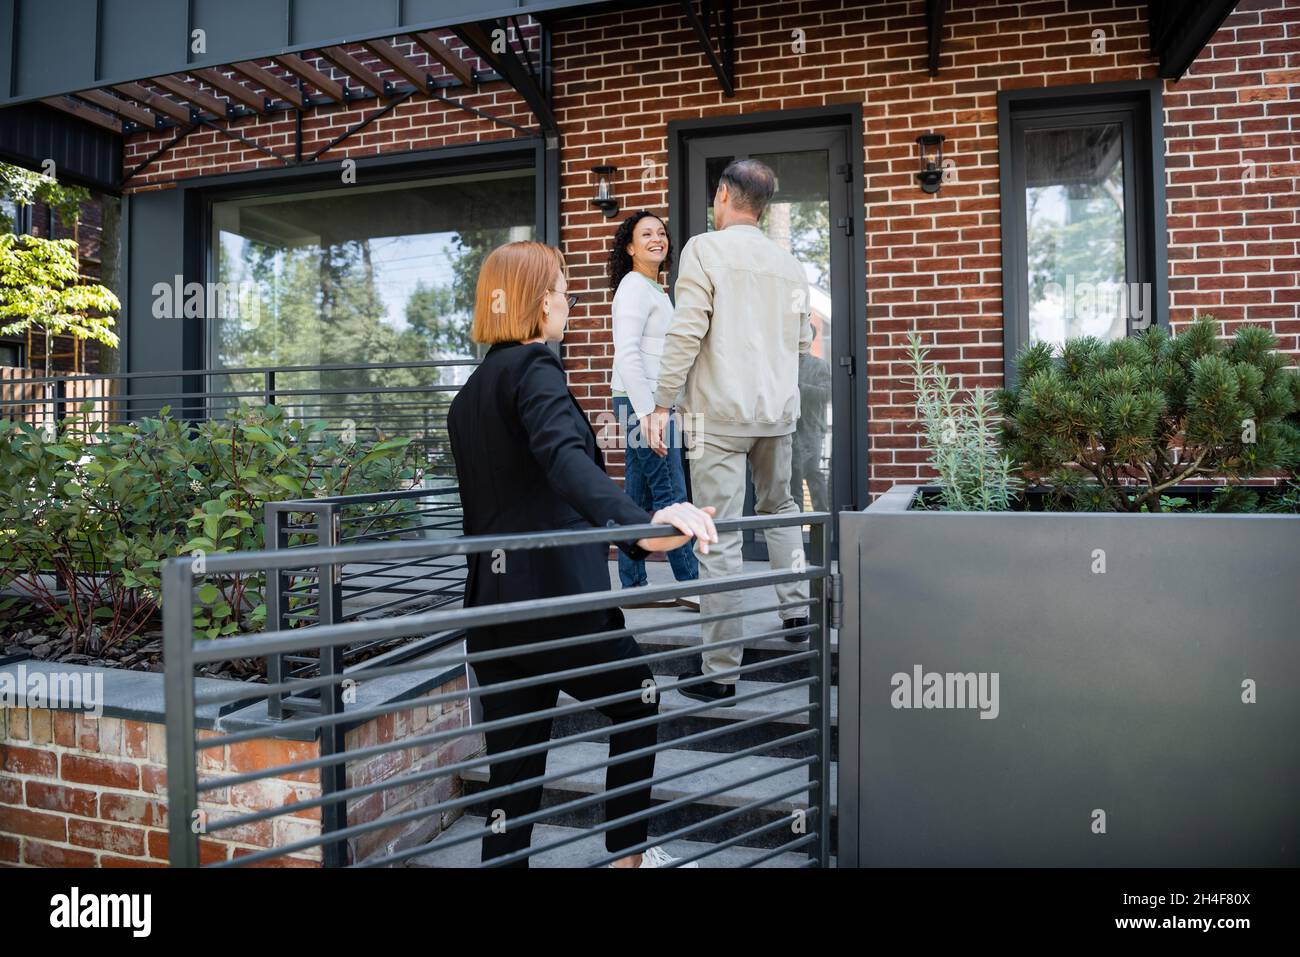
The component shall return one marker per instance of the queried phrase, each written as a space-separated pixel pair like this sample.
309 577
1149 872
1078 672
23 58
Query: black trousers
545 696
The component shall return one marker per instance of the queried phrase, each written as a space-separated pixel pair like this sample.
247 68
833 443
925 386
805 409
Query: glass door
809 216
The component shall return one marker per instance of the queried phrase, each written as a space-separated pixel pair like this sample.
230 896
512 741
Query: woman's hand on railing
692 522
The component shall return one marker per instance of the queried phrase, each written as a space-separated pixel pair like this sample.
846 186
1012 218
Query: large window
1083 236
359 274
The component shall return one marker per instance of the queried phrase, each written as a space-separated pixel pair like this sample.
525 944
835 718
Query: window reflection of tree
1075 224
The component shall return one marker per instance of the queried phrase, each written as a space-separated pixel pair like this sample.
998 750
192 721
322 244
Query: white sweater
642 313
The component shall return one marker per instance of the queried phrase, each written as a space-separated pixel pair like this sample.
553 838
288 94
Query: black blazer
527 460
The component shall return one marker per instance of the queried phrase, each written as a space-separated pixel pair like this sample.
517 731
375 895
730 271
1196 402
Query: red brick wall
79 791
406 762
933 262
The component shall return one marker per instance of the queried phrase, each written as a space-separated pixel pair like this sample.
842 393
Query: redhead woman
527 461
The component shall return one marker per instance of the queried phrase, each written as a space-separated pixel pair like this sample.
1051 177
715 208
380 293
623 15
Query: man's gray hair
751 183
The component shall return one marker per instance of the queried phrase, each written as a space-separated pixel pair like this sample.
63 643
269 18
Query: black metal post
820 692
334 816
178 691
276 612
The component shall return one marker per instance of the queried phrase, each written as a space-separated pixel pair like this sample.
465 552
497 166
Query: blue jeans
653 482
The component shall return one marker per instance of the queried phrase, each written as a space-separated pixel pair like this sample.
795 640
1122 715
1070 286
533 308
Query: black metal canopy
1179 30
130 66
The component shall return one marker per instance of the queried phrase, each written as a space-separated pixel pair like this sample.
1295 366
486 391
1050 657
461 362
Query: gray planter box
1118 692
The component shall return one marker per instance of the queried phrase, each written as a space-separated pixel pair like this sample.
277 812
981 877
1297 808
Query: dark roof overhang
1179 31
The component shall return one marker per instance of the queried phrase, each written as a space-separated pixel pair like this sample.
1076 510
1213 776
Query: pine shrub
1111 426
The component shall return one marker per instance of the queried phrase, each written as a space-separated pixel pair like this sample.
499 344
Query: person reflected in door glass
742 320
810 433
640 253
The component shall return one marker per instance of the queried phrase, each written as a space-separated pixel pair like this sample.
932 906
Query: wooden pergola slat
83 112
354 68
154 101
444 54
192 94
309 74
398 61
121 107
231 88
268 80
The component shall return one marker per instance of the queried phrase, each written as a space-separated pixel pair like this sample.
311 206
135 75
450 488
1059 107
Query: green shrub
962 438
99 509
1111 426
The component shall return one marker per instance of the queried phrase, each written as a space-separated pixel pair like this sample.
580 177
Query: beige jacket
742 319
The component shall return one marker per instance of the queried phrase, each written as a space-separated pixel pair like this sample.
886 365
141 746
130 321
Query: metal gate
759 783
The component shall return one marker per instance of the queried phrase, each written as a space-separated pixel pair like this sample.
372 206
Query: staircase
684 635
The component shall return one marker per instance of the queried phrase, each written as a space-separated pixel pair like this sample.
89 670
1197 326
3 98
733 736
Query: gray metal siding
61 46
83 154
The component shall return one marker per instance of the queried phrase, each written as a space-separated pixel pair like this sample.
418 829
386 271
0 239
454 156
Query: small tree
1113 425
40 286
40 279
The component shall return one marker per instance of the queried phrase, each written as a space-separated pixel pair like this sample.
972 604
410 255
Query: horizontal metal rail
406 399
326 594
708 801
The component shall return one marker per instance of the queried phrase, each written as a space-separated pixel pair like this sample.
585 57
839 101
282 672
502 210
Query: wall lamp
604 199
930 146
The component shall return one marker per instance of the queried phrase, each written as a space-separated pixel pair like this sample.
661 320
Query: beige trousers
718 479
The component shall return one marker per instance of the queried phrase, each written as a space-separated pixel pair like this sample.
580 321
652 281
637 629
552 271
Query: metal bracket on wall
156 154
494 42
358 127
714 19
934 10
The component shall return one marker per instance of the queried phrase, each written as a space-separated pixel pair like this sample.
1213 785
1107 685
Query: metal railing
318 594
800 727
401 399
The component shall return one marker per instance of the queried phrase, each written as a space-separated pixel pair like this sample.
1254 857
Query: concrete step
774 667
682 627
670 760
582 852
764 665
783 774
778 698
681 725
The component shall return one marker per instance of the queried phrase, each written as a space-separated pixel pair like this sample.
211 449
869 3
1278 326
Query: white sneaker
656 856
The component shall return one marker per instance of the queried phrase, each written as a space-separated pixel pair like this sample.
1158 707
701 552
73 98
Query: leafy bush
963 440
98 510
1111 426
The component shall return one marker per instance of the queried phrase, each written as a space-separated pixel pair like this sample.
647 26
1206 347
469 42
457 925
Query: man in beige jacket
741 320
